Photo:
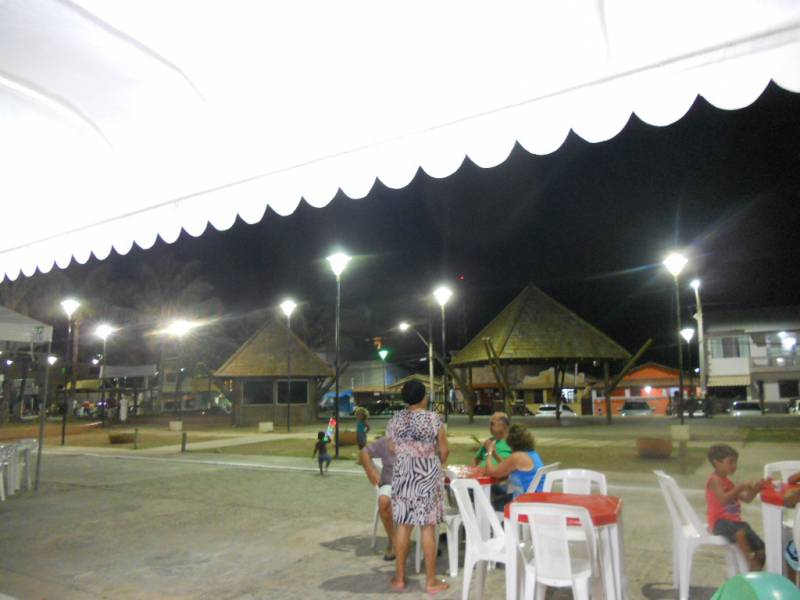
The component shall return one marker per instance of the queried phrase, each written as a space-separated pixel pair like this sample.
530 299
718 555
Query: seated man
383 449
498 427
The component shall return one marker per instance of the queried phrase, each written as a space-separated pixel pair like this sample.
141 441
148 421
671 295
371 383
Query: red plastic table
772 515
606 515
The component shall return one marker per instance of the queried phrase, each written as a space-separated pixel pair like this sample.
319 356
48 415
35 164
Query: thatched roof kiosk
257 375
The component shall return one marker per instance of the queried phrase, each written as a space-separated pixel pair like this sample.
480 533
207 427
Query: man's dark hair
720 452
413 392
520 439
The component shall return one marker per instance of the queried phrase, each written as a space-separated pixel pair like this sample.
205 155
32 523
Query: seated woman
520 468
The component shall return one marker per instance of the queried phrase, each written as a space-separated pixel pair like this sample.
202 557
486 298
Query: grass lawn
98 439
619 459
772 434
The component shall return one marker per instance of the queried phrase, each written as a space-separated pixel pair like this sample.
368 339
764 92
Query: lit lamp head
288 306
103 331
95 361
695 284
338 262
179 328
687 333
788 342
383 353
70 305
442 295
51 360
404 326
9 362
675 263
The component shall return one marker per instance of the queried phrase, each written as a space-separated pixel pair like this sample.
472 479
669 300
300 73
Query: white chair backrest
785 468
687 514
541 474
796 529
470 508
673 510
576 481
548 528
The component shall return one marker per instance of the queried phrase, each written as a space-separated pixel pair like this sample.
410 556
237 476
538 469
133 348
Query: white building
753 354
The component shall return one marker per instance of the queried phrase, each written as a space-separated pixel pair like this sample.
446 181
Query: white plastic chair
540 474
478 549
576 481
8 456
552 564
786 468
688 534
25 451
796 538
3 471
376 517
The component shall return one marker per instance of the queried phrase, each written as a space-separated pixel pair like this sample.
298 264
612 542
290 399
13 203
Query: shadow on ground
376 582
665 591
355 544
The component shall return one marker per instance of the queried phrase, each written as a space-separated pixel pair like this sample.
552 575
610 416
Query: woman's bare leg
432 584
402 540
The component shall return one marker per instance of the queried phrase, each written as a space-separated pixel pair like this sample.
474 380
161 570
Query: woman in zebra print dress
420 442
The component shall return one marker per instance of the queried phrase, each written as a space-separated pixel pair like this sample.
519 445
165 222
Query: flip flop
397 587
441 586
388 557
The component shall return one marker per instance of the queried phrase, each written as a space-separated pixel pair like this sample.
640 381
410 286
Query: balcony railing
776 362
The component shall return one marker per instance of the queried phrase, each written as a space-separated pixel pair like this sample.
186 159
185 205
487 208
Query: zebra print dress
418 480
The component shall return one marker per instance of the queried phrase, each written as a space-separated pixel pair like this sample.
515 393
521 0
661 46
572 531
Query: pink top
716 511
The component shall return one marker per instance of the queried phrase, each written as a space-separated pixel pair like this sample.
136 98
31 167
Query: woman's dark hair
520 439
413 392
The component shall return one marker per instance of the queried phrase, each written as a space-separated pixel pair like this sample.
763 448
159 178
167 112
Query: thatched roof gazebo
257 375
535 329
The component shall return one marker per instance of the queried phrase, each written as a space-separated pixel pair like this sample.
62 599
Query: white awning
121 121
15 327
728 380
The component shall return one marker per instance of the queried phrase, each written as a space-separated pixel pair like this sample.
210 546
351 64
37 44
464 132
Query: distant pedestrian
321 449
362 426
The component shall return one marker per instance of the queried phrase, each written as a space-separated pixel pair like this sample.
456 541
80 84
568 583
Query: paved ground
170 526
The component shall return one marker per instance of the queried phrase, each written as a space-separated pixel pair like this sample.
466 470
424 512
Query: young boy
724 508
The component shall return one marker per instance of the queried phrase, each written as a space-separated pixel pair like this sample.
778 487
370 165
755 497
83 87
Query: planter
265 426
654 447
347 438
120 438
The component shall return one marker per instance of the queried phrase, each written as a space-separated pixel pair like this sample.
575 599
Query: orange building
652 382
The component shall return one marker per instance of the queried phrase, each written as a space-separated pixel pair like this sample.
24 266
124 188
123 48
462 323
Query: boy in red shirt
724 509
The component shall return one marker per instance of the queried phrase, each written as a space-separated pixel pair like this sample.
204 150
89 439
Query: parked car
549 411
636 408
745 409
793 406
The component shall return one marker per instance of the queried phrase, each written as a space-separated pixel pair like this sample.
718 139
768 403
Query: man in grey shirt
382 448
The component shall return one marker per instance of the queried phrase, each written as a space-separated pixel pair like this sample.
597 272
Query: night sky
589 224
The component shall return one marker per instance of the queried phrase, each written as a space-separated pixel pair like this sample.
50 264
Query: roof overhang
121 123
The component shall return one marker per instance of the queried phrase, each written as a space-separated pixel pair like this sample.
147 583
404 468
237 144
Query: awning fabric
121 122
728 380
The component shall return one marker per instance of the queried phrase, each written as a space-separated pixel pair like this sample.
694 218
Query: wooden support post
607 389
184 435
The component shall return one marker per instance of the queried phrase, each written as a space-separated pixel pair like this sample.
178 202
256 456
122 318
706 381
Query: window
299 391
538 396
258 392
788 389
730 347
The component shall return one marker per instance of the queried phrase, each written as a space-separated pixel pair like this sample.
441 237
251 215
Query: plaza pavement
165 525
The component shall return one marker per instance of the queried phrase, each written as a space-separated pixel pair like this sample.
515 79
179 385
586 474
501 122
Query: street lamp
442 295
178 329
429 345
51 360
383 353
103 331
702 358
288 306
338 263
675 263
69 306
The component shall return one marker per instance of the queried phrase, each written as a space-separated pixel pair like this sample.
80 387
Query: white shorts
385 490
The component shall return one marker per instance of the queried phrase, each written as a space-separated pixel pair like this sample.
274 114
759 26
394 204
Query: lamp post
288 306
51 360
383 353
687 333
103 331
675 263
428 344
70 306
338 263
702 357
178 329
442 295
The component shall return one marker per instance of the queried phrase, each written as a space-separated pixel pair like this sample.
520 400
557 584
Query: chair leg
686 572
27 470
2 483
580 588
676 542
452 549
541 590
482 567
469 567
529 585
375 527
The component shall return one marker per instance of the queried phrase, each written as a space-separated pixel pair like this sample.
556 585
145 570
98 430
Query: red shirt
716 511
